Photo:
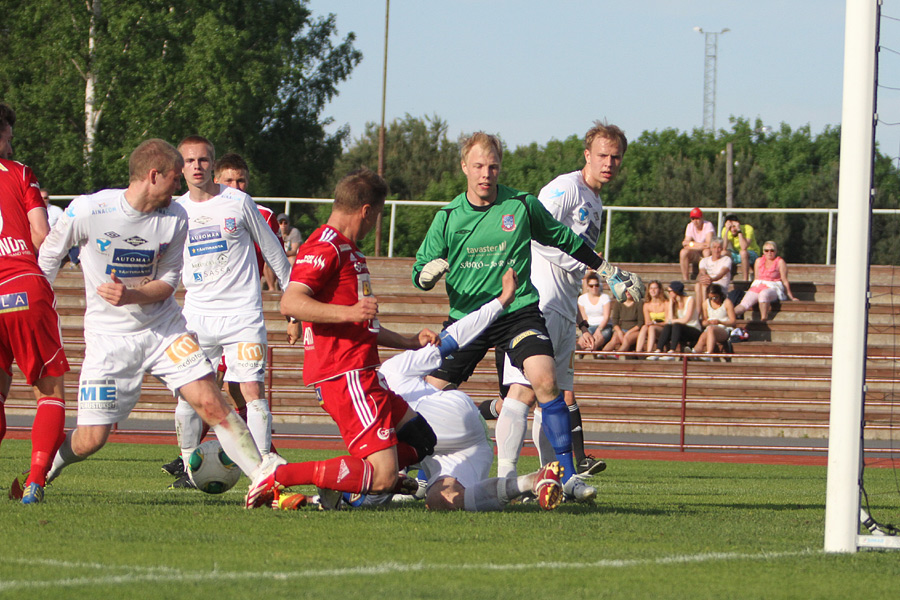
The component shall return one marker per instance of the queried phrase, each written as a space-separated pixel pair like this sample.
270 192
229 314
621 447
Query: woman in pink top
771 283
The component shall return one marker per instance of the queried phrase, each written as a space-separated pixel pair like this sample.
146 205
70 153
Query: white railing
719 212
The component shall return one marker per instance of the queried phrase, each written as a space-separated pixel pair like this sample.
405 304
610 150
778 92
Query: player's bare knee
445 494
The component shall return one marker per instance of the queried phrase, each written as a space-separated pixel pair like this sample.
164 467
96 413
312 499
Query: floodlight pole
387 17
851 279
709 77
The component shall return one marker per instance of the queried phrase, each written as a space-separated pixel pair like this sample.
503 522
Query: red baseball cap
696 214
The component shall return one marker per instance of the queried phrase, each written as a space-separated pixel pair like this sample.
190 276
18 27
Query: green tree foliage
251 75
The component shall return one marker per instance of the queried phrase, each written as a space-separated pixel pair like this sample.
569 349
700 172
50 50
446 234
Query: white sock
486 495
64 457
188 429
546 453
259 421
238 444
510 432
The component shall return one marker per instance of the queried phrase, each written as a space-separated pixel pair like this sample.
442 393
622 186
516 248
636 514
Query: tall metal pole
387 17
709 77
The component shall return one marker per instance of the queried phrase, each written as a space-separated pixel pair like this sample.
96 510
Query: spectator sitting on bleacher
718 319
655 305
740 240
594 309
715 268
695 245
771 283
627 319
682 328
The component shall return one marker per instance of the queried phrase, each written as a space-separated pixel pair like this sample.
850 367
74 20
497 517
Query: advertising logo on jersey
14 246
13 302
112 234
136 241
203 220
311 259
508 223
97 394
102 209
230 224
582 215
251 355
208 248
132 262
103 245
204 234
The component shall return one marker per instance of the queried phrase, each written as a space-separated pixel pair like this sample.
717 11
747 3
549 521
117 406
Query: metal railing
609 213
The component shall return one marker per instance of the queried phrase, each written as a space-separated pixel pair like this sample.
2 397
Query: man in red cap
697 236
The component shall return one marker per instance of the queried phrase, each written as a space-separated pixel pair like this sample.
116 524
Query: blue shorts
736 256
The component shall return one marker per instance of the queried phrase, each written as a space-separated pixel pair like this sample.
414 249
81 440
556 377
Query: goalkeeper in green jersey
474 239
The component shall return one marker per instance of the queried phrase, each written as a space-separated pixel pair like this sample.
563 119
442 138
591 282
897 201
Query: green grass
108 528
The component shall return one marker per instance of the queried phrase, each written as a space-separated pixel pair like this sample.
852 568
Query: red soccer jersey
20 193
335 270
269 215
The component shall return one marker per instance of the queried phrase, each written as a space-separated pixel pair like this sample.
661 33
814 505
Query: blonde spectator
715 268
654 309
771 283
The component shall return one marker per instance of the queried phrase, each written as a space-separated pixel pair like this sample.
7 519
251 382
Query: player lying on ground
458 470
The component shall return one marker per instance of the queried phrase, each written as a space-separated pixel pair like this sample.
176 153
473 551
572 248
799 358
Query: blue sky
533 71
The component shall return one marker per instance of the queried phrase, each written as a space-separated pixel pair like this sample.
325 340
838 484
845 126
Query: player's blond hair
359 188
605 131
485 140
199 139
153 154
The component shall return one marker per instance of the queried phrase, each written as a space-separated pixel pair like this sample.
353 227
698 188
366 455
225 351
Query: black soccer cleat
183 483
590 466
175 468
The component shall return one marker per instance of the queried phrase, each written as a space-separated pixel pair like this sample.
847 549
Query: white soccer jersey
555 274
114 237
220 270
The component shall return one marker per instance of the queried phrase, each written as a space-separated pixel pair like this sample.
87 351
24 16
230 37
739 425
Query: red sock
344 473
2 418
46 436
407 455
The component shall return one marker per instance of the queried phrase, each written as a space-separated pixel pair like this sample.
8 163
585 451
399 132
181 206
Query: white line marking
138 574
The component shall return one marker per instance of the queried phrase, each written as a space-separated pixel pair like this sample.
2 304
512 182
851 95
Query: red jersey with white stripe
269 216
334 269
20 193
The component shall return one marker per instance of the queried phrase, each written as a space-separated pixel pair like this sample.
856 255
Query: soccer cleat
263 484
590 466
175 468
34 494
329 499
576 489
182 483
284 501
546 487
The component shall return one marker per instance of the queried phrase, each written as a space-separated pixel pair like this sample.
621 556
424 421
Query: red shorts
365 410
29 329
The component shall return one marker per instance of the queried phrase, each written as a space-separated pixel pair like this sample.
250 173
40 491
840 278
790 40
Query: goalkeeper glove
620 281
432 272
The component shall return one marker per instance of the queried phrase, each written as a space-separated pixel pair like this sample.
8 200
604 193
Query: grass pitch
109 528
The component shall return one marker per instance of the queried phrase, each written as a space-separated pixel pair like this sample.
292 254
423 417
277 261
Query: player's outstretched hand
432 272
620 281
510 283
293 332
428 338
113 291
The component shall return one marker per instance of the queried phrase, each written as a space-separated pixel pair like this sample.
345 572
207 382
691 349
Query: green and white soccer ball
211 470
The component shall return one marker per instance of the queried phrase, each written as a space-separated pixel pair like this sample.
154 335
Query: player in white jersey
458 470
574 200
131 241
223 303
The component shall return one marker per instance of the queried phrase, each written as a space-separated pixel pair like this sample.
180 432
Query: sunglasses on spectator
768 249
593 285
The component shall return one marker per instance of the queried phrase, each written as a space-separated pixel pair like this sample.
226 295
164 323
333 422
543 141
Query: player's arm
118 294
272 250
431 257
69 231
40 226
392 339
298 303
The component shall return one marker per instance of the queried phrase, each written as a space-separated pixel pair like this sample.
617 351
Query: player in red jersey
29 324
331 293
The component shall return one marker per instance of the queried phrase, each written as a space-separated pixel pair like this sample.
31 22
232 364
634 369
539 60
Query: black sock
577 432
488 410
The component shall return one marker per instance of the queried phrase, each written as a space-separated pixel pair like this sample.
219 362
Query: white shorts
114 365
562 334
463 449
242 338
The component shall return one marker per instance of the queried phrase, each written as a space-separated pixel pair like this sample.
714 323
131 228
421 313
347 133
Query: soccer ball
211 470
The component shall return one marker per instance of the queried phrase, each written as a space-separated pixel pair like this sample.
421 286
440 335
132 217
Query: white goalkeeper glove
432 272
620 281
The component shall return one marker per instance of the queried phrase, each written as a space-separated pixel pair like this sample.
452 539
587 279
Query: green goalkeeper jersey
480 243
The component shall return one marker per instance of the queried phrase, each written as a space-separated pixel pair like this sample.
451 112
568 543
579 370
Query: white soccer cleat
263 484
576 489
